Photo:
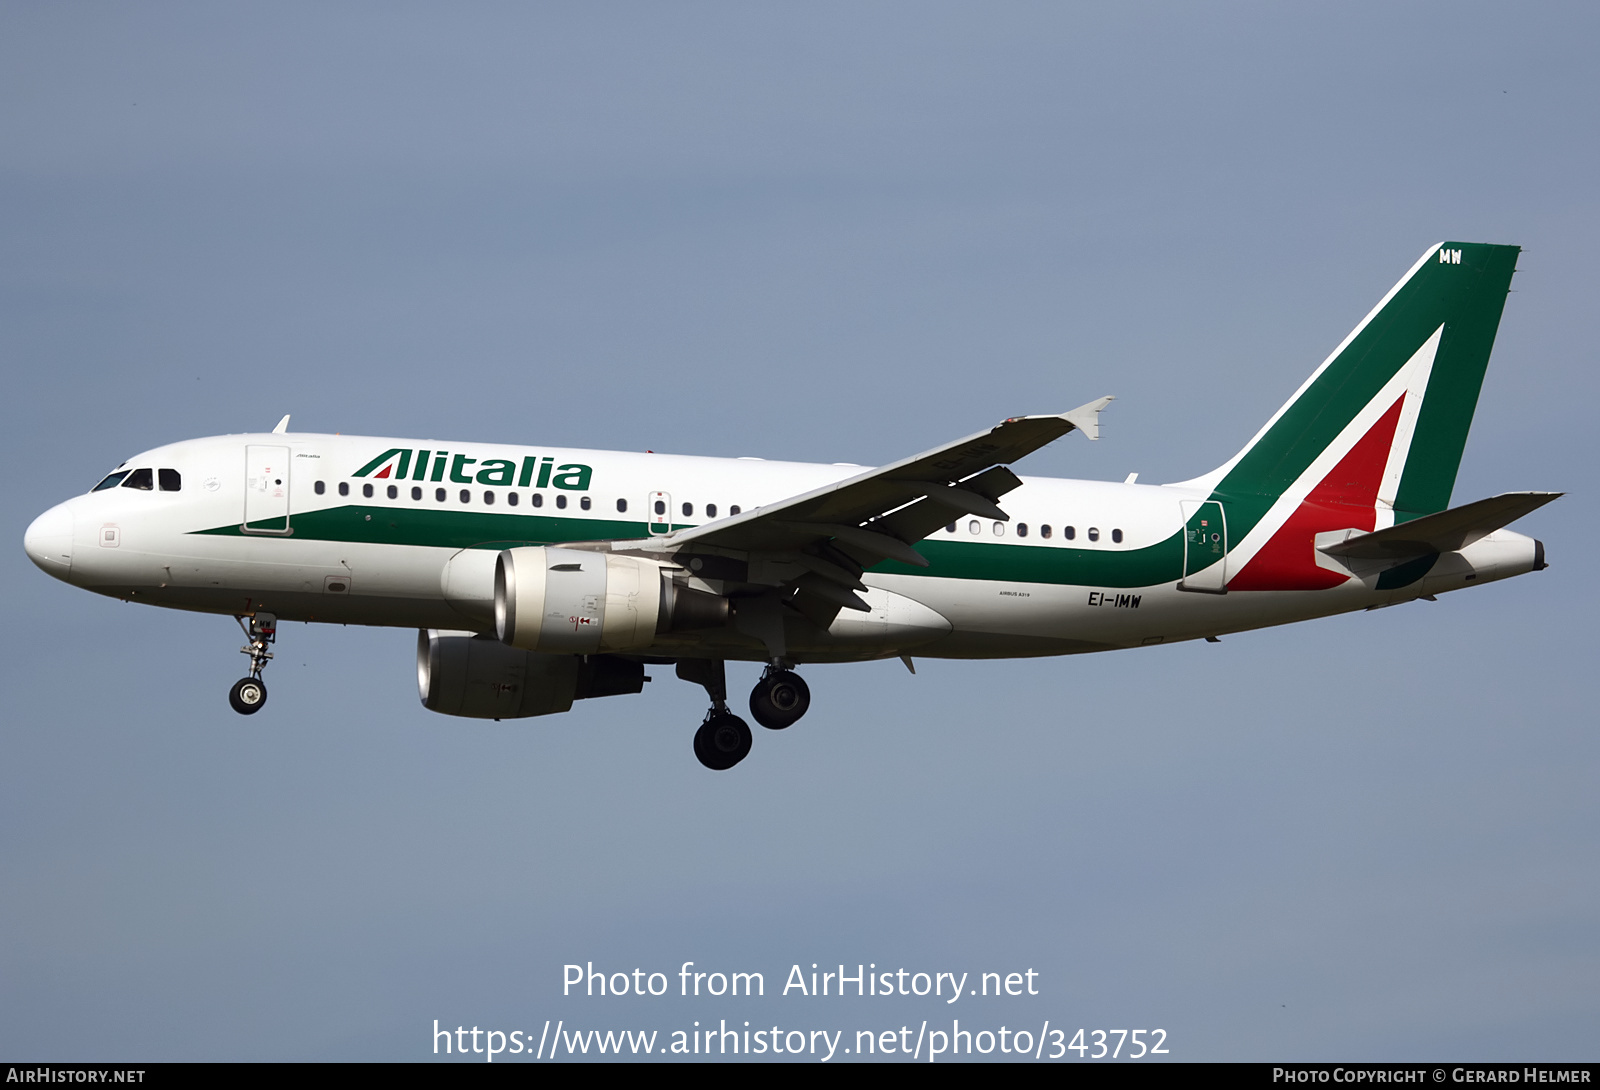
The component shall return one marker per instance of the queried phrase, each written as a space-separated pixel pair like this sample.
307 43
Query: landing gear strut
780 698
250 693
723 740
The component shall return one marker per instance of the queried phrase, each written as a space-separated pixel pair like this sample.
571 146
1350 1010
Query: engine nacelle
573 602
464 673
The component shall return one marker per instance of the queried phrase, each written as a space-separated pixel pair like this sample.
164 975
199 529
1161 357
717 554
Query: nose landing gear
249 693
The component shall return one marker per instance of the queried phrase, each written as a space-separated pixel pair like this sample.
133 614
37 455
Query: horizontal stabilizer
1444 532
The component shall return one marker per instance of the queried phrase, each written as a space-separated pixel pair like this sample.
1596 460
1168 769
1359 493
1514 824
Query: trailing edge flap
876 515
1444 532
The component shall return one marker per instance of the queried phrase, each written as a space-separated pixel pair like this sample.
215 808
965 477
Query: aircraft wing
829 535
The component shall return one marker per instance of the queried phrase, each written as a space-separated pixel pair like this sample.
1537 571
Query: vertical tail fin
1375 435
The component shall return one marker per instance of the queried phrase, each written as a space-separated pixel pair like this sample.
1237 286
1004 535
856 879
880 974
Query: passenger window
416 493
975 527
661 507
1069 532
466 495
1044 531
511 499
622 506
951 528
439 494
344 488
999 529
319 488
1094 533
171 480
366 490
711 510
734 510
1022 529
561 501
142 479
537 499
394 492
688 509
583 502
110 482
1116 535
488 498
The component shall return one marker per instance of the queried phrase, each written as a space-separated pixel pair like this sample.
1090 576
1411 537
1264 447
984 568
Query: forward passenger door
266 489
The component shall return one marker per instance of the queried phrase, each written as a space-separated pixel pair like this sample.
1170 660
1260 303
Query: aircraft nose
49 541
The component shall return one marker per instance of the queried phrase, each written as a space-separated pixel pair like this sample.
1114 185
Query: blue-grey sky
829 232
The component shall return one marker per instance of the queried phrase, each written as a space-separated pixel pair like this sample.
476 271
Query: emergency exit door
659 507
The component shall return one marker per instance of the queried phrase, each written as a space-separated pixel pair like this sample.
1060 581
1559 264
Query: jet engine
569 601
467 674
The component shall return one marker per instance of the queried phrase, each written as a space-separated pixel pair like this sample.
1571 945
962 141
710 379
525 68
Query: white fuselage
1081 566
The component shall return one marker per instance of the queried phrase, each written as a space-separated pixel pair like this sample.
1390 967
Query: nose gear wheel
249 693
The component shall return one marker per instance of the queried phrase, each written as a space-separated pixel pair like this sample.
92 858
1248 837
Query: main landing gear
250 693
779 699
723 740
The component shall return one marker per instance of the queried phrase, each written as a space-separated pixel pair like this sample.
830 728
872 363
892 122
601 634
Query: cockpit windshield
142 479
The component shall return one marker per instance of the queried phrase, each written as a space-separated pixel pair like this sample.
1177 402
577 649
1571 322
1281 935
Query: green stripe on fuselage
1146 567
447 529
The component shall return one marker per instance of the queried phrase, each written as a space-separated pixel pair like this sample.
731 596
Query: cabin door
266 489
1205 547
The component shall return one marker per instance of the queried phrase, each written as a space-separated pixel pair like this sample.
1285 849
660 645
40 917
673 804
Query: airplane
539 576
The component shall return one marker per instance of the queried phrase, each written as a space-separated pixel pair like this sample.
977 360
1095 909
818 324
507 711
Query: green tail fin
1419 356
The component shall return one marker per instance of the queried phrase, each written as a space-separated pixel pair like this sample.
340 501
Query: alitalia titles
533 471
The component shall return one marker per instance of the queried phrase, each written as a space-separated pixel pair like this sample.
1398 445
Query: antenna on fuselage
283 426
